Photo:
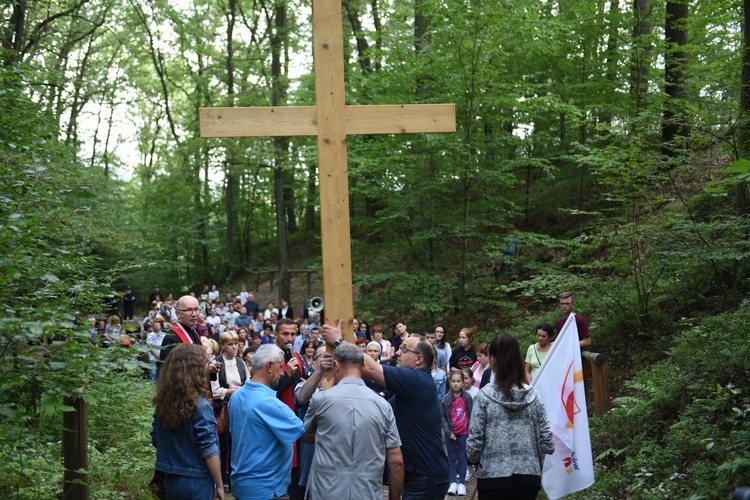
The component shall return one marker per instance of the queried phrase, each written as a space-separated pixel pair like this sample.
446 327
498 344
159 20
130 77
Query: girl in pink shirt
456 410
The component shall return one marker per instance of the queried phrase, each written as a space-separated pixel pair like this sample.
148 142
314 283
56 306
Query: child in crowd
469 382
456 410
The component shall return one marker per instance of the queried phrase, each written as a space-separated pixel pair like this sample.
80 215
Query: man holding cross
417 412
355 431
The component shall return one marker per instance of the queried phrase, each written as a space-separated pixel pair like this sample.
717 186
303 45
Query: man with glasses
567 304
182 332
417 412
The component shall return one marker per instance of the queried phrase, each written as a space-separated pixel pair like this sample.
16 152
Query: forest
610 138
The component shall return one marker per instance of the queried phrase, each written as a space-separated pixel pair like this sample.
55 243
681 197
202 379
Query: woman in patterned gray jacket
509 433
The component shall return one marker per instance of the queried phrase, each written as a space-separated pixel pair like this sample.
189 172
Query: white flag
559 384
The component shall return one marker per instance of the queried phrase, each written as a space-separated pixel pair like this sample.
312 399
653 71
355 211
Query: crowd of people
258 415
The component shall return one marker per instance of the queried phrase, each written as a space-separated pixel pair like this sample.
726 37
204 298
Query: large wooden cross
331 120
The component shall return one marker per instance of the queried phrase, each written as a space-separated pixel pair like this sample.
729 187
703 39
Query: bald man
182 332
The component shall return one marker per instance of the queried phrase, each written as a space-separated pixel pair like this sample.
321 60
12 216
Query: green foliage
736 174
427 294
684 428
120 453
54 218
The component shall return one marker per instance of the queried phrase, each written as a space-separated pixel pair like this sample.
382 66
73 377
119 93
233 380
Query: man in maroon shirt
567 304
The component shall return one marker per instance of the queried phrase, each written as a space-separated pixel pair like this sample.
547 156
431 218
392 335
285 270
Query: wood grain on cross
331 120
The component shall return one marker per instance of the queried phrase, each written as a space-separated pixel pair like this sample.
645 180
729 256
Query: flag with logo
559 384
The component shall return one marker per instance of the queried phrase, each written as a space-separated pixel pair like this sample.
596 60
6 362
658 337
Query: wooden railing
597 364
271 274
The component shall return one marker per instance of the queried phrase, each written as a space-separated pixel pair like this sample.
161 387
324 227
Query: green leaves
736 174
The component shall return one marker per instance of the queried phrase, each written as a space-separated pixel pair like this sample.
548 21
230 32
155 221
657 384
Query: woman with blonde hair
211 347
113 330
464 356
184 427
231 376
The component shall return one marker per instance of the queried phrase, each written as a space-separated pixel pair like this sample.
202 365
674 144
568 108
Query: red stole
287 397
180 331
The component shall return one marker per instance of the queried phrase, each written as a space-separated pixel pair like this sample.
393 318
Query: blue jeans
188 488
419 487
457 458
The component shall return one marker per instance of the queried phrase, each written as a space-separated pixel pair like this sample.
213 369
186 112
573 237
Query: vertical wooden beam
602 399
328 53
75 450
597 366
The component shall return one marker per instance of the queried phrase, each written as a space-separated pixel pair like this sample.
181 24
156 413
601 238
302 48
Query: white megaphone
316 305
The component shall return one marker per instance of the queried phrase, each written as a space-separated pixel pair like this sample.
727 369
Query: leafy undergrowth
121 457
684 431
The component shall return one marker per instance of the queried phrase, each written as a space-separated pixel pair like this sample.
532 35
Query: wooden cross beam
331 120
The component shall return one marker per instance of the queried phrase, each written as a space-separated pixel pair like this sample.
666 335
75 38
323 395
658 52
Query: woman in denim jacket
184 427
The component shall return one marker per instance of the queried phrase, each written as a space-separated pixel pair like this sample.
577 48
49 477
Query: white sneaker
470 473
461 490
453 488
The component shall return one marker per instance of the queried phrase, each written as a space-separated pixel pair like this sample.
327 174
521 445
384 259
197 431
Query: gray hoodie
508 435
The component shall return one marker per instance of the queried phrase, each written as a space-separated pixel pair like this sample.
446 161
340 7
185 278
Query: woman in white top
536 353
213 320
231 376
270 309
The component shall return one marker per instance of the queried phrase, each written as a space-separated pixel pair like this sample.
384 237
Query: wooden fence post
602 398
75 450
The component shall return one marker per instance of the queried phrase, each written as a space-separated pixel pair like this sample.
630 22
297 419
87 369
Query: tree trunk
230 191
13 38
641 51
744 137
79 101
743 189
159 66
278 40
611 58
362 45
675 122
378 25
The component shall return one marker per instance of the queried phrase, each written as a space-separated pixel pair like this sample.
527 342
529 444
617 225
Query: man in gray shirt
355 431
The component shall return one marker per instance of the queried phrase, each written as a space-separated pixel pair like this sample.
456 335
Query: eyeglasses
404 349
195 310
